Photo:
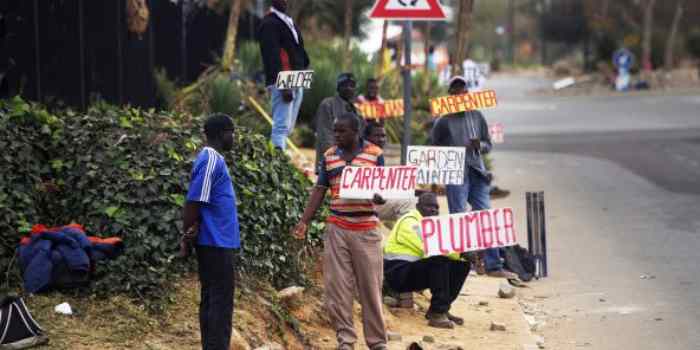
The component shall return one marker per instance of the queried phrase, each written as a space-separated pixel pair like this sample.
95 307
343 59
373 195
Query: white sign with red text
497 134
466 232
391 182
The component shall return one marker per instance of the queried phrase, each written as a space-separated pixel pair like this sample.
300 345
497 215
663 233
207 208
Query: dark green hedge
125 172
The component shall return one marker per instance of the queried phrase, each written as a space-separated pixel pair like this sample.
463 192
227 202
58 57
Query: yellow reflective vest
405 241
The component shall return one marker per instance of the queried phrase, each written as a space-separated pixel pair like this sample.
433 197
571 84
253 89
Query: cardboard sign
460 103
392 182
437 165
496 131
466 232
380 110
293 79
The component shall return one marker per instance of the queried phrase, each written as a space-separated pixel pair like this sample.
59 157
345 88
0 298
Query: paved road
622 180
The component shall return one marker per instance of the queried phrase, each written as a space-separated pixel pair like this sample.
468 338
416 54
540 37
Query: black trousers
216 276
444 278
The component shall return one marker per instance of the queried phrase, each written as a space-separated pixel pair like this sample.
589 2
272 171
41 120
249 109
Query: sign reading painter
466 232
392 182
460 103
293 79
380 110
437 165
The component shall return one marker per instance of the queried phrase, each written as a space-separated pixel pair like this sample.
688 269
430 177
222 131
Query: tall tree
647 34
231 32
671 41
462 34
347 35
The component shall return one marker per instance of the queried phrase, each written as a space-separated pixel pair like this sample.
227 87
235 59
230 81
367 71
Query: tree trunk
231 33
463 27
347 61
670 43
426 43
381 62
646 37
462 35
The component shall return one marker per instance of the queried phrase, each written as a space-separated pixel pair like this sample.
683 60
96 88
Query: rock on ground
506 291
496 326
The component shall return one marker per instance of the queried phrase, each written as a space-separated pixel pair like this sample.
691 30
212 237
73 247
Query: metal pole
405 141
543 237
37 52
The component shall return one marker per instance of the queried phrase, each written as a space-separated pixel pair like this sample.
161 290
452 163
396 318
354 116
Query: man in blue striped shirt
211 222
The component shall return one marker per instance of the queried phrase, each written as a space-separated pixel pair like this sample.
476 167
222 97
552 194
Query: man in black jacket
282 49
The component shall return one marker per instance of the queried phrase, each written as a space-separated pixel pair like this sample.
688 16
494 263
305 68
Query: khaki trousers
352 260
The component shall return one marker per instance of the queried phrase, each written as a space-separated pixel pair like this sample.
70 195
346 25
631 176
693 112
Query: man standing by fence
282 49
211 224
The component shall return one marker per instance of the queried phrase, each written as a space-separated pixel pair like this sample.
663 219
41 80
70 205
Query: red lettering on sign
377 174
442 249
382 180
357 178
497 228
426 233
412 174
459 248
366 175
391 179
486 228
473 219
346 178
508 225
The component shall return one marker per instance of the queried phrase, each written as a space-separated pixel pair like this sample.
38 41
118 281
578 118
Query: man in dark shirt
470 130
330 109
282 48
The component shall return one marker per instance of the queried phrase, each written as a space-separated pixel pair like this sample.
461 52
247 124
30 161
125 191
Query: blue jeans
474 191
284 115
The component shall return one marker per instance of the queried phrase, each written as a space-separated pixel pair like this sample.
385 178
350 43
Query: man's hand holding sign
293 79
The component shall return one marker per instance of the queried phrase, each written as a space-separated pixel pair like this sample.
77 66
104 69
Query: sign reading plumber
466 232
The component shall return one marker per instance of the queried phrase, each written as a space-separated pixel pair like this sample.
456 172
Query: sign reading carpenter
391 182
460 103
380 110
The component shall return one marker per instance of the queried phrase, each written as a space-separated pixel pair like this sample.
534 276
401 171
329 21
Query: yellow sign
380 110
460 103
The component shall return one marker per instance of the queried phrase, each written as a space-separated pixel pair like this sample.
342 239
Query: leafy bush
124 172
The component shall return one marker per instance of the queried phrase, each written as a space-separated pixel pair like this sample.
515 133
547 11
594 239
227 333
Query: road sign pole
407 93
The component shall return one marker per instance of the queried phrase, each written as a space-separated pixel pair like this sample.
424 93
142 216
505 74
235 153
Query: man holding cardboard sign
282 49
469 130
352 256
407 267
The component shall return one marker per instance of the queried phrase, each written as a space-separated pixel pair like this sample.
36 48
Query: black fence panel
73 52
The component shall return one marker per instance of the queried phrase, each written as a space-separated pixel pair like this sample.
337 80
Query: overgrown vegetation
124 172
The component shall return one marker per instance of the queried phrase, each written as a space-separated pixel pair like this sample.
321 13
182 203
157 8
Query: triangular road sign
422 10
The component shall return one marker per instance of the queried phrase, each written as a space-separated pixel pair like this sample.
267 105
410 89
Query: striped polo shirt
349 214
